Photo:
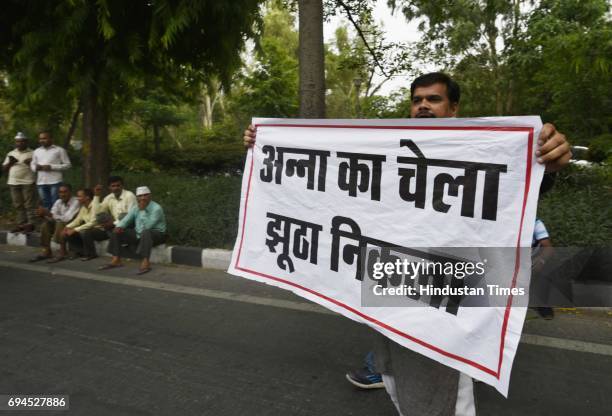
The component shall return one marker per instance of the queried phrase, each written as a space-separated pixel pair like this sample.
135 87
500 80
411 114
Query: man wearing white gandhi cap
143 227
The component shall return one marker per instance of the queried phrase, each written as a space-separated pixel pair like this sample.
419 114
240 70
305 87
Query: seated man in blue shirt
144 226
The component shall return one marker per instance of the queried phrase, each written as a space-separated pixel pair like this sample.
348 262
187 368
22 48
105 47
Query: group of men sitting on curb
125 219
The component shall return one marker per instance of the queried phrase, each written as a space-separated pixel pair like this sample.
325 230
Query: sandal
56 259
87 258
109 266
39 257
143 271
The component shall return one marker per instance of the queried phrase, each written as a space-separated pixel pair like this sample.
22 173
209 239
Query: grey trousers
424 386
148 239
84 241
24 201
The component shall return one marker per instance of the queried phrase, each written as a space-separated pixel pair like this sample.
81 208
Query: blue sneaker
365 379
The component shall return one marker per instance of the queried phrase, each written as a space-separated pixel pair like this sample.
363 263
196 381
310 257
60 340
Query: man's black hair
114 179
47 131
425 80
66 185
88 192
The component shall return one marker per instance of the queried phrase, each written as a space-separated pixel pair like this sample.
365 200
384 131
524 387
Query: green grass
203 211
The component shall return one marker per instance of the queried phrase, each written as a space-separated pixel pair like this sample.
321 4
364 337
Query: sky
397 30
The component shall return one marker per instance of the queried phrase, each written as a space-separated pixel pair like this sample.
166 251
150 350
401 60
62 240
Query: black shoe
365 379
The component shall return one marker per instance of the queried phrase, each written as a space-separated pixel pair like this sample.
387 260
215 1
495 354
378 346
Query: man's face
44 139
116 188
83 199
21 144
64 193
143 200
432 102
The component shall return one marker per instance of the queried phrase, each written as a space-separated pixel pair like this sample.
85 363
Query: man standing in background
49 161
21 183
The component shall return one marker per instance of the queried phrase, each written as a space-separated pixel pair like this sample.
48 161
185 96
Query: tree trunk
207 109
73 126
156 138
312 60
499 105
516 14
96 158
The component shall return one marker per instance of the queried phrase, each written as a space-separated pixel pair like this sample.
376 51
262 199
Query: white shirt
54 156
20 173
65 212
117 207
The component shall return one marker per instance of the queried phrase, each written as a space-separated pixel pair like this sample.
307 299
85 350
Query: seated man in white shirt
49 161
117 204
63 211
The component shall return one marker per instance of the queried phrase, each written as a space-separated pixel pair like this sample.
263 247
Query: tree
564 59
550 57
312 59
269 87
155 111
468 31
358 68
98 51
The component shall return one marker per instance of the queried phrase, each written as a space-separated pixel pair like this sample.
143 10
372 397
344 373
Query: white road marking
530 339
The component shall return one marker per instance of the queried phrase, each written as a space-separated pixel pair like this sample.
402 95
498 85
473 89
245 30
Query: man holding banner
416 383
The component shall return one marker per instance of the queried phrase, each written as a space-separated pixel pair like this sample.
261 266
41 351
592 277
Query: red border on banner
494 373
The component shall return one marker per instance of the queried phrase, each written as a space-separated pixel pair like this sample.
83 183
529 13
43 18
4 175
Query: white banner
324 200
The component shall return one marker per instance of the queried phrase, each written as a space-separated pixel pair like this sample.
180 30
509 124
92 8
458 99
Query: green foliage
270 89
101 53
206 157
186 151
565 63
350 77
130 150
577 211
551 59
600 149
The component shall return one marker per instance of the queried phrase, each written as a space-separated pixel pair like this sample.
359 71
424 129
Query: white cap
142 190
20 136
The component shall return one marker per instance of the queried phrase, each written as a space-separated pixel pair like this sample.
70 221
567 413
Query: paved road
191 342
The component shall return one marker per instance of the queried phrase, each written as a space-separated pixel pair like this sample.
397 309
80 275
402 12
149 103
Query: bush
203 158
129 150
577 211
600 148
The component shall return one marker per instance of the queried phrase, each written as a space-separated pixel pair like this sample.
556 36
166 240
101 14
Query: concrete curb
188 256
